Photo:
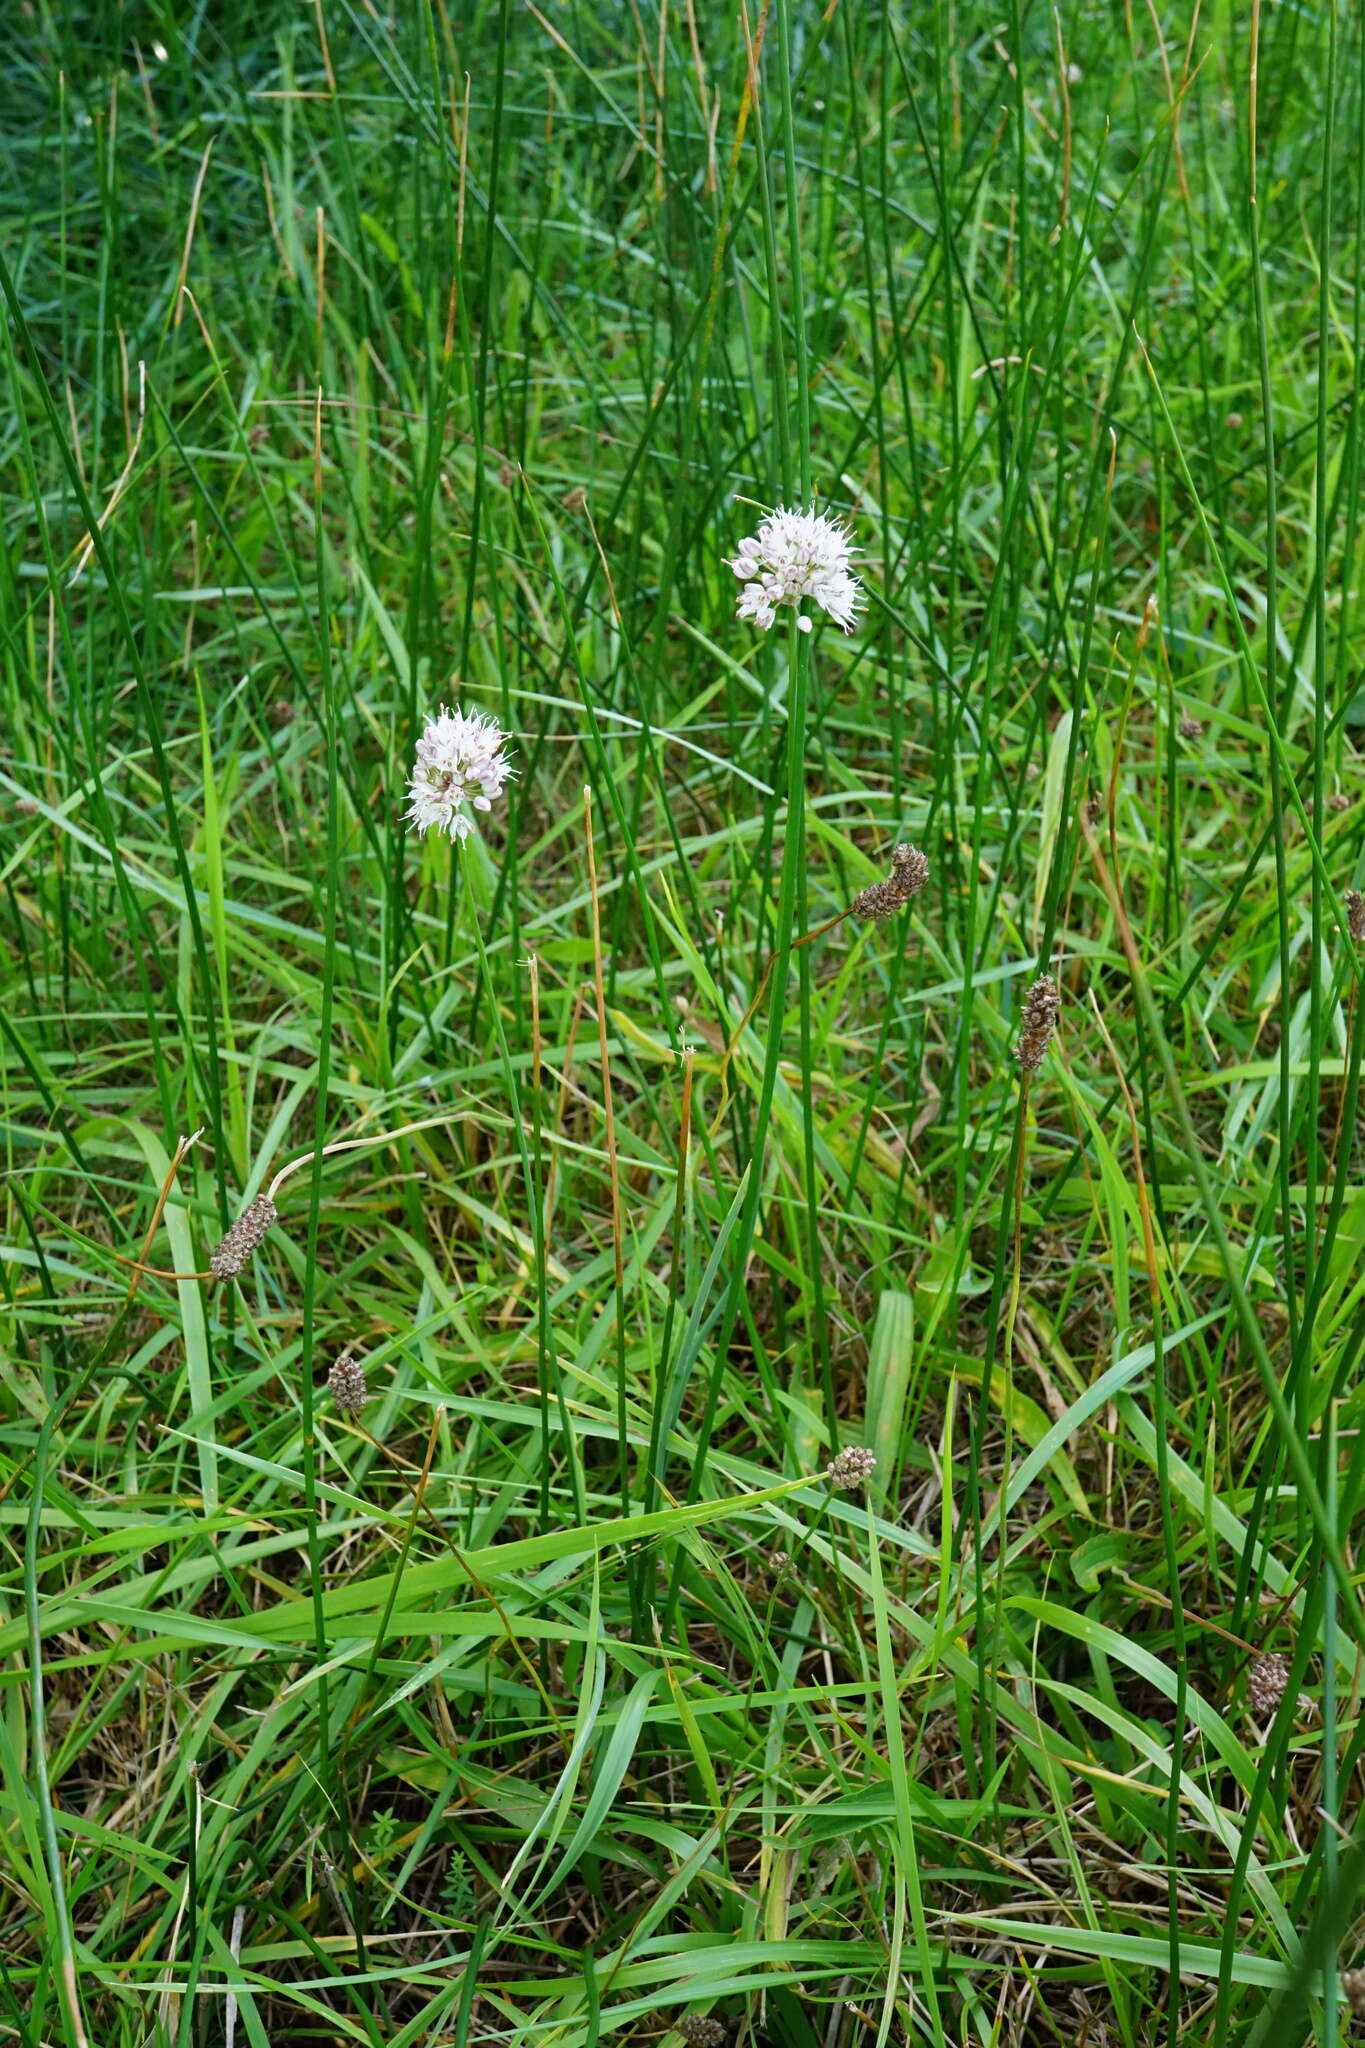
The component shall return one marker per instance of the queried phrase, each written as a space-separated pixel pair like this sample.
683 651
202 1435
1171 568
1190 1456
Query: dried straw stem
424 1123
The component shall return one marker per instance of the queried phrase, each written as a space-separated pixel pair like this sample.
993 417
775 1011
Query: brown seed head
233 1251
1339 800
1191 728
1355 914
877 901
1041 1005
909 873
1267 1683
700 2032
1353 1985
909 868
851 1469
346 1384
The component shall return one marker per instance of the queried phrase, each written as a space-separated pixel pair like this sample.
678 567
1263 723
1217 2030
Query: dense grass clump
783 1459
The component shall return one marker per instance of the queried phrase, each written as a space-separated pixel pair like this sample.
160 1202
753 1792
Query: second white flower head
460 762
795 555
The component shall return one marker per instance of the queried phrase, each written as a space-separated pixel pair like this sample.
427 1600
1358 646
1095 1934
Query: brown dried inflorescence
699 2031
233 1252
346 1384
1041 1006
1353 1984
1267 1683
851 1469
909 873
1355 914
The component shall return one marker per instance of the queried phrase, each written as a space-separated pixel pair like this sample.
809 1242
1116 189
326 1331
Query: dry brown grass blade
139 1265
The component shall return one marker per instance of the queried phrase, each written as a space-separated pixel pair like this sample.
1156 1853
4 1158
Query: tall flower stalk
794 483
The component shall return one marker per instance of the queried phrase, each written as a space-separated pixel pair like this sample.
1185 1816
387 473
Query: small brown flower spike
700 2032
909 873
346 1384
232 1254
1040 1021
851 1469
1267 1683
1355 914
1353 1985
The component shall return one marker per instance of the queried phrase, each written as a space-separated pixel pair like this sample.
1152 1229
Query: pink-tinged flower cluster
460 763
797 555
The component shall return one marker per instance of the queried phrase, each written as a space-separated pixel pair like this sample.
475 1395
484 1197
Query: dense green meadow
374 355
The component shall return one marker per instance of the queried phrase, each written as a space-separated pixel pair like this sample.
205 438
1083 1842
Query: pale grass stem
260 1203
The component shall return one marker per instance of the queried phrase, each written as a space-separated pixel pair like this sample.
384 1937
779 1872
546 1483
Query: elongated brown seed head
1041 1005
877 901
233 1252
1353 1984
1355 914
346 1384
910 867
909 873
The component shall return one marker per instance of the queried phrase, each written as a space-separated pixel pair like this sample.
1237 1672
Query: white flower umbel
795 555
460 763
